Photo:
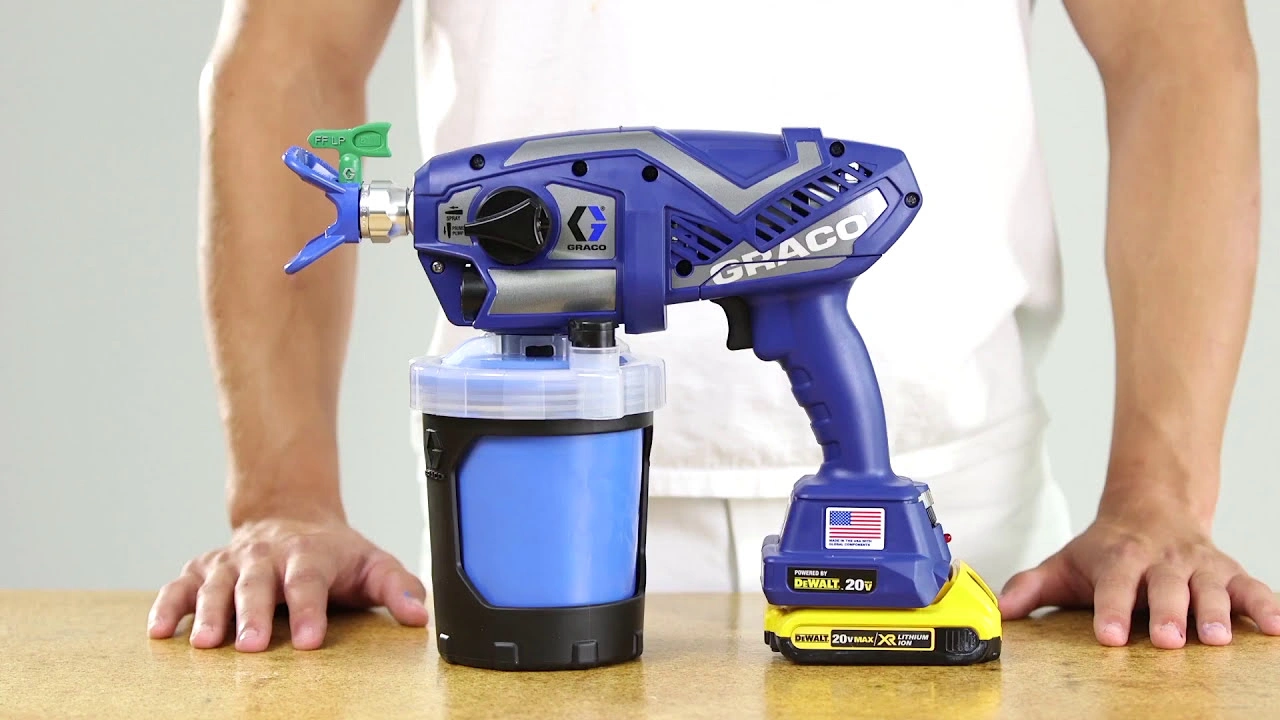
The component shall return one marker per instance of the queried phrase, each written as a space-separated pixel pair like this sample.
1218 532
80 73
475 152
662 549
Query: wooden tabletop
76 654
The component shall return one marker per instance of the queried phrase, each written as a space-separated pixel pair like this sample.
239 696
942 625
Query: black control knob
512 226
593 333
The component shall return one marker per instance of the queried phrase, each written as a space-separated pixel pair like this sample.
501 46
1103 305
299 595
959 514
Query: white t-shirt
955 315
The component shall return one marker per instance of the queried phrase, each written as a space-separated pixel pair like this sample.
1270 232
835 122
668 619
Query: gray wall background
111 456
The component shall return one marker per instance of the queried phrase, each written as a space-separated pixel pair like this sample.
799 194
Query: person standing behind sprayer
956 320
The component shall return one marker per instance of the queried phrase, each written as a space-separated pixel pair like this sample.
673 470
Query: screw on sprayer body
376 211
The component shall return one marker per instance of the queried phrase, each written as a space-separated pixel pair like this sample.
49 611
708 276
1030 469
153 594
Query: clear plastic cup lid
516 377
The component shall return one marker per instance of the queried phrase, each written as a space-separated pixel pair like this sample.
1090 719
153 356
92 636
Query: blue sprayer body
525 237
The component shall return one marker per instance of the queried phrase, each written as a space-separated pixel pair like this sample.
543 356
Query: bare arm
1181 85
280 69
1182 233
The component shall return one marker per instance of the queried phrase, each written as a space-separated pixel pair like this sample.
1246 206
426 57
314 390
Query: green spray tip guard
368 140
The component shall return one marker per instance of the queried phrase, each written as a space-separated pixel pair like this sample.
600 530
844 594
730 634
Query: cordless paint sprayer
537 433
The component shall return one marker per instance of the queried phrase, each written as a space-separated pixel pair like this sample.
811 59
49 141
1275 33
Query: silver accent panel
384 212
719 188
529 292
452 215
830 238
573 240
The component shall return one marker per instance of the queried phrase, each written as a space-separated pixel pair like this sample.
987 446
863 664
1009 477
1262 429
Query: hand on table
1163 561
305 564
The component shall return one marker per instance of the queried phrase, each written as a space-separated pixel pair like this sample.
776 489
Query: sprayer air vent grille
791 210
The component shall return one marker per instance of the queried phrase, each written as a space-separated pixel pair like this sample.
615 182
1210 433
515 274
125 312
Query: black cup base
552 639
470 631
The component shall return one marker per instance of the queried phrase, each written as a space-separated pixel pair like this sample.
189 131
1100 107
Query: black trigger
738 313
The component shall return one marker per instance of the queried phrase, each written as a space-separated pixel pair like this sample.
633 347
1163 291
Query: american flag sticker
855 528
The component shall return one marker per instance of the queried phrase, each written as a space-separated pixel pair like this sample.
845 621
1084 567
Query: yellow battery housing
961 627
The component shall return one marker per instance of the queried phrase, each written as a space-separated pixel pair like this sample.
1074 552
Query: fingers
255 602
214 605
1021 594
1212 607
1113 599
1255 600
1168 597
1030 590
301 564
306 590
388 583
174 602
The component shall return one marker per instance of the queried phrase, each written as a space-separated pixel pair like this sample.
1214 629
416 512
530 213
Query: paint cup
536 449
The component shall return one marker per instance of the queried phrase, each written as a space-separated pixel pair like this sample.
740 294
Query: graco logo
597 227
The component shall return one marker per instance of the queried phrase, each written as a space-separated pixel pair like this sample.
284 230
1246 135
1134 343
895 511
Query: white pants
1004 514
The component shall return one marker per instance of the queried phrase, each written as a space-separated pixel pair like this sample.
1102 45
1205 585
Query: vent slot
802 211
708 245
804 197
682 250
814 191
781 215
719 236
769 223
830 185
859 169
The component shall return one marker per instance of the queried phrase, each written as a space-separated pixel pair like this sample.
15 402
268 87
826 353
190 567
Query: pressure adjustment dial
512 226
